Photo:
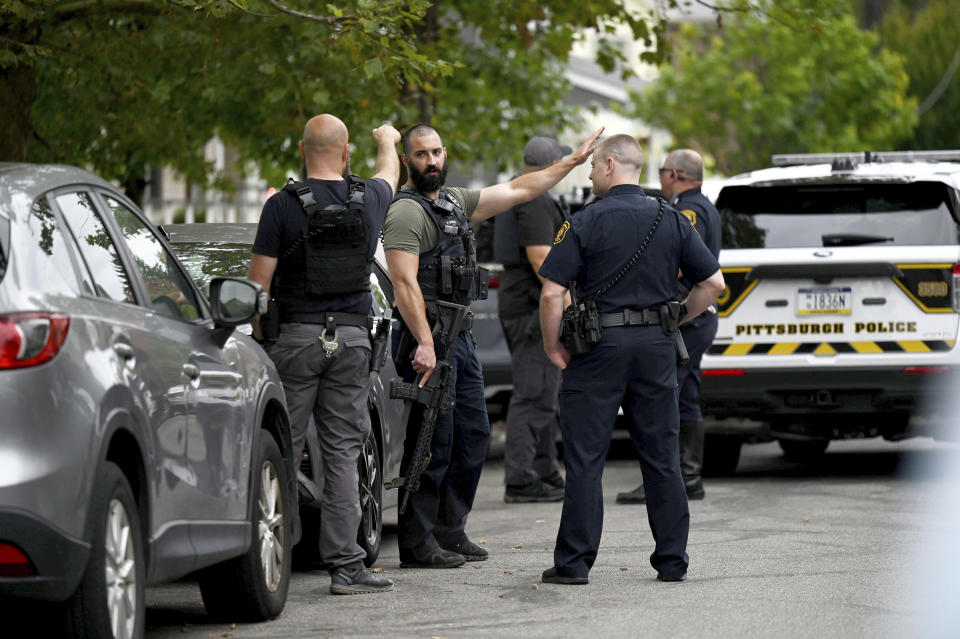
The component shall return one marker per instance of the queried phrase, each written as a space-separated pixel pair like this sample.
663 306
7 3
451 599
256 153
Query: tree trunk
18 90
425 33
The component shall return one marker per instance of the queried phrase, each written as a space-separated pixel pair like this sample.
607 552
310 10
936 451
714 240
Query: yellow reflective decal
738 349
757 349
783 348
866 347
825 349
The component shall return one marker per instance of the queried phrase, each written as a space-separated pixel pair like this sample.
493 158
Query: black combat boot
691 458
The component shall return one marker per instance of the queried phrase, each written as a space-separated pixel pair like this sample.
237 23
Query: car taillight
29 339
927 369
13 563
955 280
494 282
722 372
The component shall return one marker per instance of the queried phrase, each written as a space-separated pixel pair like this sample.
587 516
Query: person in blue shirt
634 363
680 179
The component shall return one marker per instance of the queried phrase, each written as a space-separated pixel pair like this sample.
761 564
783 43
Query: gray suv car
143 438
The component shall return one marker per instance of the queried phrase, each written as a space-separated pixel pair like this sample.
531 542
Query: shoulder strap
636 256
303 193
445 202
355 192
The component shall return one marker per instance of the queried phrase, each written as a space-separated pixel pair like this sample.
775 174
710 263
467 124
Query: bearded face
430 179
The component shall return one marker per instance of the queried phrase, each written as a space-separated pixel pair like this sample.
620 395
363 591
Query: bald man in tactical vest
313 255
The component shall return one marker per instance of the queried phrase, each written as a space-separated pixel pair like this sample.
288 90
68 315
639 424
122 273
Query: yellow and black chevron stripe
736 289
832 348
926 285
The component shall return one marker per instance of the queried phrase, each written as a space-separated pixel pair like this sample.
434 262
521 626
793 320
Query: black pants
634 367
697 336
531 448
437 513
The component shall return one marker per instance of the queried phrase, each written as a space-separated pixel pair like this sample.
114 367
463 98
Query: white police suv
840 313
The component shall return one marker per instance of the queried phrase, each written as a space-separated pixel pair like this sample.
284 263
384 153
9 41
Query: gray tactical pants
530 451
334 391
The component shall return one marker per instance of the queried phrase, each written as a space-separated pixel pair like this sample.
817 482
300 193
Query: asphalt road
845 548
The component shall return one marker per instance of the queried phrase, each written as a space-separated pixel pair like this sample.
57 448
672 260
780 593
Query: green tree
117 84
790 76
928 39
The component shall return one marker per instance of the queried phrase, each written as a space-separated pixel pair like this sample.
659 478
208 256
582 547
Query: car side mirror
234 301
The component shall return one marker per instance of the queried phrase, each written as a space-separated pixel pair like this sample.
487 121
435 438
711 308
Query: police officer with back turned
313 254
680 179
622 253
430 250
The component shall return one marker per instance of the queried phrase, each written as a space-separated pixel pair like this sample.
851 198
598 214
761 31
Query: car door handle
191 370
123 350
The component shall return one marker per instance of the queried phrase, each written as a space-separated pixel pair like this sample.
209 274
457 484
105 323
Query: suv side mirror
234 301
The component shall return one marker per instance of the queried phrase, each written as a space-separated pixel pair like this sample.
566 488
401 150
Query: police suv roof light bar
866 157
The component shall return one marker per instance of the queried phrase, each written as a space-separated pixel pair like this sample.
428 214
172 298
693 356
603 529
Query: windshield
207 260
854 214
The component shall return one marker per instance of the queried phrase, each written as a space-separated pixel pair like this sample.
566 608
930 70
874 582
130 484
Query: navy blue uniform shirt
595 245
704 217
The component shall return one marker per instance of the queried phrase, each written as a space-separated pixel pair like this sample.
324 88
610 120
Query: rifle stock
433 396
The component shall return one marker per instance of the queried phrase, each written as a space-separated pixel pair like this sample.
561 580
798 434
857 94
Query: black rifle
433 396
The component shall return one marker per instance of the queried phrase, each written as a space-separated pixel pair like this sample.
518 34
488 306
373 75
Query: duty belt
340 319
627 317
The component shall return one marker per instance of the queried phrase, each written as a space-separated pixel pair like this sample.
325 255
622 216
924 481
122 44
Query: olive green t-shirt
409 228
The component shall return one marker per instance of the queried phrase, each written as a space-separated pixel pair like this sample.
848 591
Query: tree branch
745 9
941 86
309 16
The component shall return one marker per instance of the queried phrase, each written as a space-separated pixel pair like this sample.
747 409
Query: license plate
812 301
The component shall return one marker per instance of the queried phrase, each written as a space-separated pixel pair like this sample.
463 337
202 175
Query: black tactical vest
331 255
449 270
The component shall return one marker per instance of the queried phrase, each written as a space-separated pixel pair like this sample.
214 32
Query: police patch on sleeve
562 233
690 215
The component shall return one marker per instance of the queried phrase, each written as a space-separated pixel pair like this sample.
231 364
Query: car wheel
803 450
253 586
370 533
109 601
721 454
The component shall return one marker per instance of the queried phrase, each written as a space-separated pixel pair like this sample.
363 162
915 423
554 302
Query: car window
815 215
206 260
381 287
110 279
51 269
167 286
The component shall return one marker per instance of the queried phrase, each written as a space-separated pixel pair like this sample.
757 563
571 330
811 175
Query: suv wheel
253 586
109 601
370 533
